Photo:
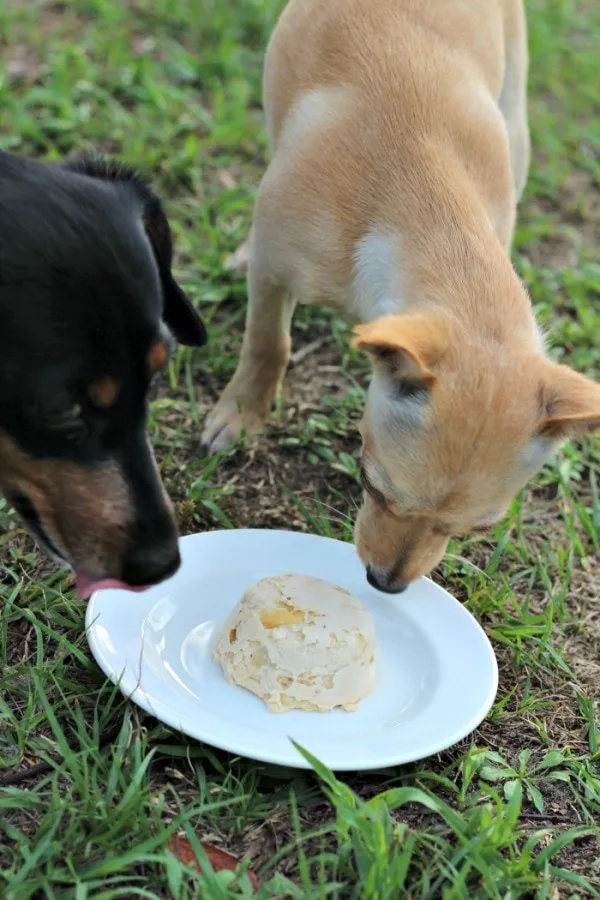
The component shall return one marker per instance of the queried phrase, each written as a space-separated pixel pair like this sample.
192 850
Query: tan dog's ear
571 405
406 345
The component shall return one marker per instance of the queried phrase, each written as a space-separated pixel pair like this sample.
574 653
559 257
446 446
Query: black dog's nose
385 588
148 564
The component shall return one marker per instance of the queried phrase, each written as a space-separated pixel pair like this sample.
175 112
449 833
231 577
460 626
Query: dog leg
513 99
246 402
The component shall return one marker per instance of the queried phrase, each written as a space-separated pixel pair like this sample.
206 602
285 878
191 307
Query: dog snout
382 582
152 551
149 562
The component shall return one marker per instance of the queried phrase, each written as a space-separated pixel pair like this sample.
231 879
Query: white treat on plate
299 643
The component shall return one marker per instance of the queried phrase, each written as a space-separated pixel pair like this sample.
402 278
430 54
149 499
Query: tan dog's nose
382 583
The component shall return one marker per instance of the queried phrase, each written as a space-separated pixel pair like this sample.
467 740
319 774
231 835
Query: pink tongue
86 586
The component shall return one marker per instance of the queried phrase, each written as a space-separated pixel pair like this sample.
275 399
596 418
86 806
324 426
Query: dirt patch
582 640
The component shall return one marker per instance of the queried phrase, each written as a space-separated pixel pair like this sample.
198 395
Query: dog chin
31 520
45 544
86 583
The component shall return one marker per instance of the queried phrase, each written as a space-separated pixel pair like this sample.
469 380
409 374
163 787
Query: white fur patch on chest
378 276
314 110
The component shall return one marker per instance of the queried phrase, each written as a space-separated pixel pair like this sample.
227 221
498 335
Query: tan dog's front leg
246 402
513 100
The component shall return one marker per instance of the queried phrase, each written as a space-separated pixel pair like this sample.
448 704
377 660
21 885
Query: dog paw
226 425
221 431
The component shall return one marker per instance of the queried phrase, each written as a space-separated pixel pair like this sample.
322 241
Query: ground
90 788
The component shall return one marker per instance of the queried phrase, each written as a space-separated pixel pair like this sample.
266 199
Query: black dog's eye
68 423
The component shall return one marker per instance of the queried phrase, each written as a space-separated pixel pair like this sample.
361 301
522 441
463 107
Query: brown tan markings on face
157 357
104 391
85 511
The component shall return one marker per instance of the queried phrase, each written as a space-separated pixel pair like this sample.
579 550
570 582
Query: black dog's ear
178 312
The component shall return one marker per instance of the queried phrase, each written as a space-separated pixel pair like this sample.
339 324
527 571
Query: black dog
87 301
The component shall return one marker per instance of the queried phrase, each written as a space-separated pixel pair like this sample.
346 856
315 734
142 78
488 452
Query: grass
513 811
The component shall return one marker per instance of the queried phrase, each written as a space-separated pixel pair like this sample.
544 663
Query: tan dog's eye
409 390
370 488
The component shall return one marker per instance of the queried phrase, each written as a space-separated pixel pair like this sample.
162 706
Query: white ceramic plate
436 675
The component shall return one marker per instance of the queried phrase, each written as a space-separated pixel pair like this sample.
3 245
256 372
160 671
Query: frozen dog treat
299 643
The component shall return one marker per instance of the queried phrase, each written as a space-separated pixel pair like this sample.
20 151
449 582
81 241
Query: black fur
85 283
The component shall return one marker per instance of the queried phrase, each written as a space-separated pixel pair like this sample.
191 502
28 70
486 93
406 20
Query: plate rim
138 696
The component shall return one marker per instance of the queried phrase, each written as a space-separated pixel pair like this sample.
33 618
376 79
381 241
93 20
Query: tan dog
400 147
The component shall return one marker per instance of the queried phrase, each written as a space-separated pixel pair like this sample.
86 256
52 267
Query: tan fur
418 341
400 149
84 510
